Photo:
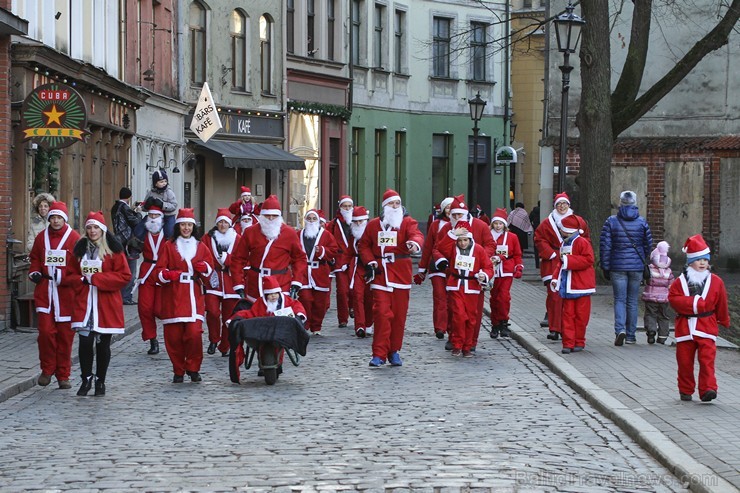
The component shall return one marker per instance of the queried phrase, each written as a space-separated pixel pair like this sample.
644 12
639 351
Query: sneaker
342 325
44 380
178 379
395 359
619 341
351 313
440 334
505 331
472 349
685 397
195 376
456 352
494 332
65 384
553 336
369 331
651 337
708 395
566 350
661 340
467 354
544 322
448 345
631 341
578 349
377 362
225 354
211 348
360 332
317 333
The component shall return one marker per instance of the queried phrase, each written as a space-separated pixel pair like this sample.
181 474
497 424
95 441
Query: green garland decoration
45 171
320 109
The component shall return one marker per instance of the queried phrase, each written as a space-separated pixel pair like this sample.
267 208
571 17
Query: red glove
200 266
171 275
419 278
518 273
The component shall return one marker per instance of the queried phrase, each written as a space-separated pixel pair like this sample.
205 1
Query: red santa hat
271 206
570 224
97 219
58 208
224 215
312 212
560 197
695 249
270 285
322 216
359 213
443 205
155 209
500 215
390 196
185 216
458 205
464 225
246 191
345 198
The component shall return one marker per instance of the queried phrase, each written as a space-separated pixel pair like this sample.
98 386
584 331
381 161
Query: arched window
197 43
238 49
266 53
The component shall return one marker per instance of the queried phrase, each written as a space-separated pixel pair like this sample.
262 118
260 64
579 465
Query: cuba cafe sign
54 116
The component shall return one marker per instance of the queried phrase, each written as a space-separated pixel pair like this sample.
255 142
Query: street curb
685 467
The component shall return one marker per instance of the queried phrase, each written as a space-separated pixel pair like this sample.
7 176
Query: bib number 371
387 238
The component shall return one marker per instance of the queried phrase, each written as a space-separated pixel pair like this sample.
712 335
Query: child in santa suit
51 253
361 294
220 295
468 268
149 292
700 301
574 279
182 268
99 274
320 249
507 266
243 206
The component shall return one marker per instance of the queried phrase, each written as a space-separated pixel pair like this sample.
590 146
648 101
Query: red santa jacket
220 283
509 252
152 247
463 268
393 256
547 239
282 258
343 238
101 298
698 315
573 271
51 294
319 260
481 234
182 299
259 309
426 261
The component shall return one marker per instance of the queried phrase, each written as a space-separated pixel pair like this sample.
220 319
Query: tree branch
633 70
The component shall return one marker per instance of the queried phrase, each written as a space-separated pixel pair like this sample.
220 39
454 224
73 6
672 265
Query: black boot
212 348
194 376
153 346
495 330
86 385
504 329
99 388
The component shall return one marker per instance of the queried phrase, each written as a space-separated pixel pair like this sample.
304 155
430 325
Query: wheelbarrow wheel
269 358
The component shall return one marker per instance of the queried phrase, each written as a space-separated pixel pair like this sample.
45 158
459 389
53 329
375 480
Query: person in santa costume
243 206
574 279
547 240
149 292
362 295
320 250
427 268
508 265
700 301
220 295
468 268
99 273
50 255
270 248
385 248
481 235
339 227
183 267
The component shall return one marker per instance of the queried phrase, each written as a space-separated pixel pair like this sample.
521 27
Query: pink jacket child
655 295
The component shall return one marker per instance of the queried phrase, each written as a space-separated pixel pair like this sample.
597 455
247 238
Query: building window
311 27
380 164
527 4
400 161
330 27
478 40
358 138
440 166
197 43
356 27
238 50
399 47
266 54
378 36
441 47
290 27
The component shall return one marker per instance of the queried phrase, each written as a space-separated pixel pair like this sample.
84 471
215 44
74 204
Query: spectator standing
520 225
39 217
125 220
534 219
624 250
161 190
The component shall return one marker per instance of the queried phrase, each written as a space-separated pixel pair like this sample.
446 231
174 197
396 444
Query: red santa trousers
55 346
500 302
554 305
362 300
389 312
576 314
685 354
465 319
479 315
344 302
315 302
218 311
184 346
439 298
147 311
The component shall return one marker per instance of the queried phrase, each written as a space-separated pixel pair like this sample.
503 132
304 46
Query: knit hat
345 198
97 219
561 196
245 191
500 215
359 213
659 256
389 196
627 197
695 249
458 205
463 225
185 216
443 205
270 285
160 174
570 224
58 208
322 216
224 215
271 206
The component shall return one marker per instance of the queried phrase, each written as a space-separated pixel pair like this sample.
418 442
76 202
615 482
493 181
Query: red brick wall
5 174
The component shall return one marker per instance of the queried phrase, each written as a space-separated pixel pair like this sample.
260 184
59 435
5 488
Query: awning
251 155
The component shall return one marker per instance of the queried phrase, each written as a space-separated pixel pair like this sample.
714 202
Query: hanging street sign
206 121
54 116
505 155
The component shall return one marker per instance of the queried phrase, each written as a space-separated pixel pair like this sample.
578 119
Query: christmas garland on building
322 109
45 171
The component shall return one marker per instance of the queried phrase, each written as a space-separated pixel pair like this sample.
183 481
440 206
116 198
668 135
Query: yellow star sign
54 115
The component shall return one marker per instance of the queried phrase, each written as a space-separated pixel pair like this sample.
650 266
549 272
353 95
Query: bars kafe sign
205 121
54 116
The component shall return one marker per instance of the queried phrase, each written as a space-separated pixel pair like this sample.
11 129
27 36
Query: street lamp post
477 105
568 32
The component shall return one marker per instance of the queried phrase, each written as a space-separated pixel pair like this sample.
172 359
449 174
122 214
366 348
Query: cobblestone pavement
498 422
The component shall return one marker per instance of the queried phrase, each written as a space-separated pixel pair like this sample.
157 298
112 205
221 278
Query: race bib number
89 267
502 250
55 258
566 250
387 238
285 312
464 262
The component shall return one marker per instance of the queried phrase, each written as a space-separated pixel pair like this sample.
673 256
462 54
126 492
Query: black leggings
102 349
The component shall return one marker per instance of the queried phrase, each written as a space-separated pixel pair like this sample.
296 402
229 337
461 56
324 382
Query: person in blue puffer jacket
626 242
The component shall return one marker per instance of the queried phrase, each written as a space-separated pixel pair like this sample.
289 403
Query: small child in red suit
574 279
700 301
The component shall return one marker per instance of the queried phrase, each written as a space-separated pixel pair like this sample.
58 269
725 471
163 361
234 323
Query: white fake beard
271 306
311 230
187 247
154 225
346 215
559 217
246 222
467 217
696 277
271 229
358 229
392 217
225 239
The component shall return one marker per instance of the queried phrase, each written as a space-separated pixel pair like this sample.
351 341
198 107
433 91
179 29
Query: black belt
272 271
470 278
393 256
698 315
